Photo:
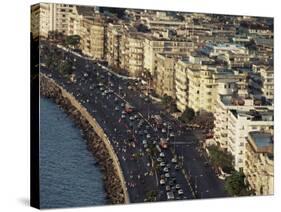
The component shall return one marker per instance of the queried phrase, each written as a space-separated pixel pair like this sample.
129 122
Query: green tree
65 68
221 159
166 100
55 35
235 184
187 115
72 41
151 196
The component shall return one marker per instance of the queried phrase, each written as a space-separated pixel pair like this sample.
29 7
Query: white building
54 17
212 50
239 124
226 102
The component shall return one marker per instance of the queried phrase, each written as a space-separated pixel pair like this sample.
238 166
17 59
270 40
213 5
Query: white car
170 195
180 192
162 164
159 160
167 175
131 118
174 160
166 169
162 182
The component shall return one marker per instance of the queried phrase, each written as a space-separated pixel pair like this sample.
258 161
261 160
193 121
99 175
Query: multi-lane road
151 172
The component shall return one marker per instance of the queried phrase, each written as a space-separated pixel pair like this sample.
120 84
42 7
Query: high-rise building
258 168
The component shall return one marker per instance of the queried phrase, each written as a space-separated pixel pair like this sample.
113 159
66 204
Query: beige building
204 83
262 81
51 17
92 32
77 15
34 20
132 53
267 78
85 34
114 46
156 44
41 20
259 164
181 84
165 74
203 86
98 39
163 22
58 17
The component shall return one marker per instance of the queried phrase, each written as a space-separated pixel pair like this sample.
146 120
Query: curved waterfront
68 174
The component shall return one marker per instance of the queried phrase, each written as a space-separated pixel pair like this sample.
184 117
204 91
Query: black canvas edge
34 120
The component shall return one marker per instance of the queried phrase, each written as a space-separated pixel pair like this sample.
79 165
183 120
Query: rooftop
257 114
85 10
262 142
261 139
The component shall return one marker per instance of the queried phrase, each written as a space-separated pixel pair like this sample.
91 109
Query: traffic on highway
159 156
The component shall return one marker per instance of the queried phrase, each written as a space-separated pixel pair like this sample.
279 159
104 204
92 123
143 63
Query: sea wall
97 141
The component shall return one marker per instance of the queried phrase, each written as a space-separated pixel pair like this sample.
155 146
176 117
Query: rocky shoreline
113 185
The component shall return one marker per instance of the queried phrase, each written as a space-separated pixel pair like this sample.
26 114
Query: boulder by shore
113 185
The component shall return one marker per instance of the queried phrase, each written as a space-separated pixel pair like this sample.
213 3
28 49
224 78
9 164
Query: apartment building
98 39
50 17
76 16
156 44
239 124
133 53
40 17
203 86
114 45
58 17
259 163
226 101
34 20
212 50
92 32
181 84
234 55
262 81
85 34
267 86
163 22
165 73
182 81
